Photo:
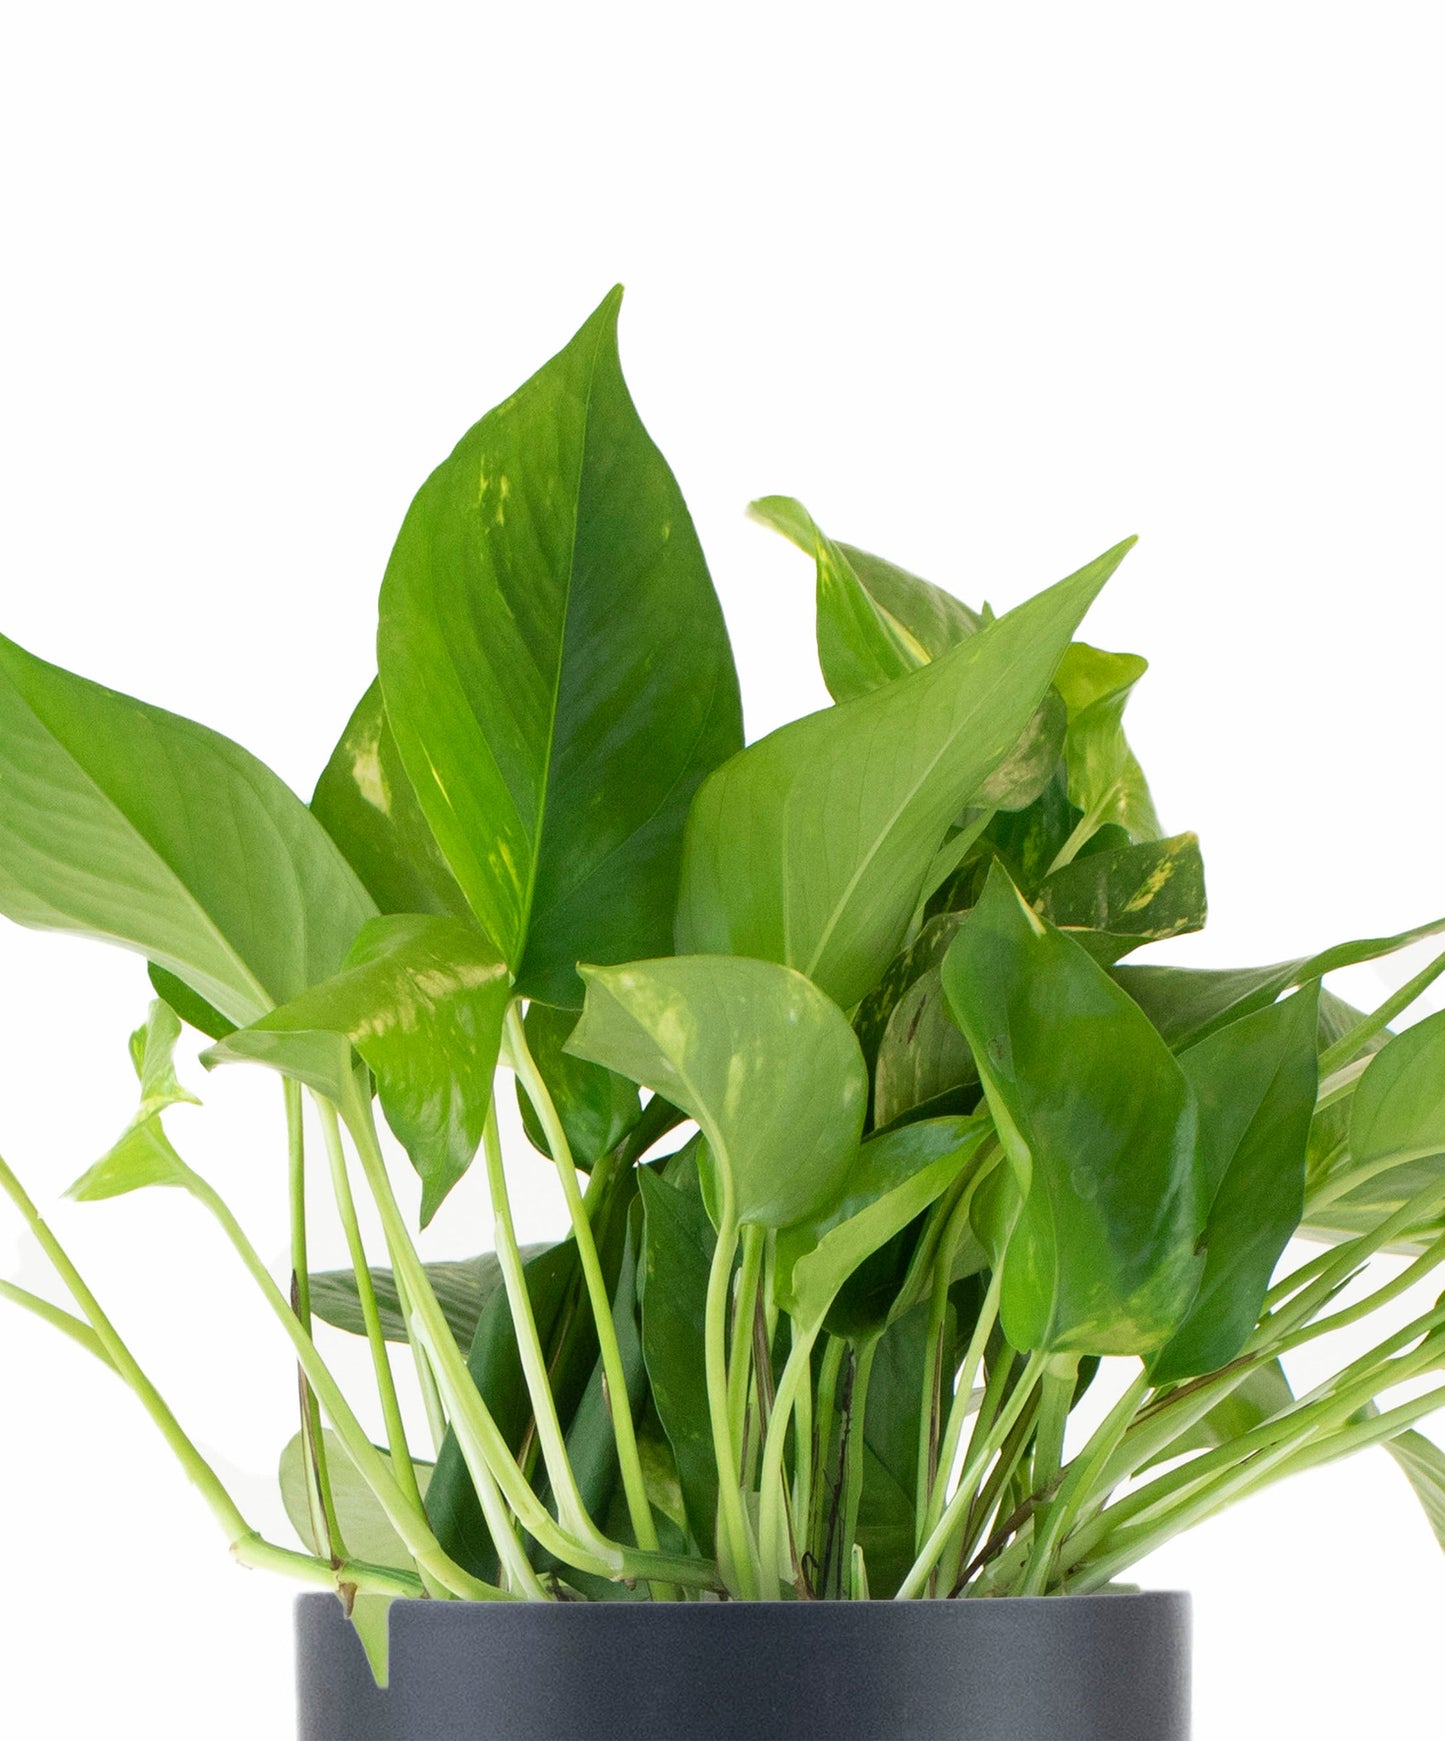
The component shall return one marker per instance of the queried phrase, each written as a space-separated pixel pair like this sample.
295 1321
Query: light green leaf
1261 1396
597 1107
1399 1110
144 1155
126 823
1255 1084
811 847
422 1000
1113 901
1424 1464
894 1177
1105 780
365 803
1099 1126
755 1053
462 1286
556 671
365 1527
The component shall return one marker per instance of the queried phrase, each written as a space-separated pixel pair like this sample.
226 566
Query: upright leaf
144 1154
1105 779
922 1054
123 822
811 847
756 1054
1099 1126
1255 1084
556 671
365 803
422 1000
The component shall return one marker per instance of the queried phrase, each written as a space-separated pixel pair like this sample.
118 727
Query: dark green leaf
597 1107
923 1055
756 1054
677 1252
812 846
928 948
556 671
365 802
188 1005
1255 1084
1186 1004
1112 901
463 1286
123 822
1099 1125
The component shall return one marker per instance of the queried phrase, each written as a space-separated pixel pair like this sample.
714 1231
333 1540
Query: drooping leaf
1424 1465
892 1179
144 1155
422 999
126 823
1261 1396
597 1107
463 1286
555 669
1187 1004
365 803
811 847
1105 780
677 1253
1113 901
1255 1084
762 1060
1099 1126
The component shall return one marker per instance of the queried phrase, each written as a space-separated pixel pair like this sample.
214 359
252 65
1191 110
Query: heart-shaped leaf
1100 1128
126 823
1113 901
556 671
811 847
762 1060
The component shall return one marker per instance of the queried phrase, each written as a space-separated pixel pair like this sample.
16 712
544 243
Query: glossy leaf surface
1099 1126
129 824
1255 1084
597 1107
756 1054
1105 779
365 803
1399 1110
556 671
811 847
1111 902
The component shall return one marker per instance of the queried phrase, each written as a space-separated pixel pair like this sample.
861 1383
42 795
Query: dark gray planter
1071 1668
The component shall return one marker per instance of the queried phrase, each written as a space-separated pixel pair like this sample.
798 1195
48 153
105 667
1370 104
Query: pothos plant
918 1248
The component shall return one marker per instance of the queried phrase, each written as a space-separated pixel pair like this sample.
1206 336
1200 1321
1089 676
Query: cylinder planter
1072 1668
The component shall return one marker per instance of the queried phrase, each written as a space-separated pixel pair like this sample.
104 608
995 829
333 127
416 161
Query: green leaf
893 1178
1099 1125
1399 1110
1187 1004
144 1155
365 803
463 1286
811 847
1424 1466
922 1055
123 822
928 948
677 1251
1105 780
1113 901
556 671
422 1000
188 1005
1258 1398
755 1053
1021 778
597 1107
1255 1084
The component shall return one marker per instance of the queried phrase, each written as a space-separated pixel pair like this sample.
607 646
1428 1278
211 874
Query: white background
988 287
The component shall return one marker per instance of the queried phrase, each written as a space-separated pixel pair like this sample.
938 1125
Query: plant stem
634 1484
436 1416
732 1521
794 1384
854 1463
1380 1018
811 1512
961 1404
930 1414
745 1294
370 1316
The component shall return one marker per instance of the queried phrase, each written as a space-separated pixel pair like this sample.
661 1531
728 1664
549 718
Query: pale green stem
1056 1399
572 1512
745 1298
930 1414
853 1476
320 1501
1379 1018
260 1555
793 1385
58 1319
370 1315
436 1415
810 1513
956 1511
962 1403
634 1484
732 1521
